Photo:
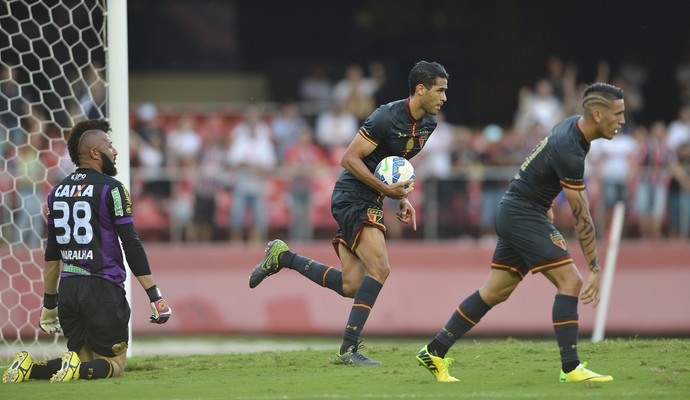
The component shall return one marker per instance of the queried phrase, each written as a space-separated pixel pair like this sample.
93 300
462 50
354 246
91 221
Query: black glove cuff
154 293
50 301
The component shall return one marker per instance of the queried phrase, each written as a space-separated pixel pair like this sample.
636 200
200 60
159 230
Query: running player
528 241
87 213
399 128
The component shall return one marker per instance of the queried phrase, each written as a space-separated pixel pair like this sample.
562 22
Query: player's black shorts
94 311
527 241
352 211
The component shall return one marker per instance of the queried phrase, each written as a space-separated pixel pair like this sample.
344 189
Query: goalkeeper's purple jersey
395 132
557 162
84 209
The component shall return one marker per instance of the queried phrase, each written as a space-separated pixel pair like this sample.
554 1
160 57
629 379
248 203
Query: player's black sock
466 316
45 369
565 324
437 348
96 369
318 273
365 297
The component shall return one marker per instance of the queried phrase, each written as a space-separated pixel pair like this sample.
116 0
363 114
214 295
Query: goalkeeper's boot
353 356
582 374
269 265
20 370
69 370
436 365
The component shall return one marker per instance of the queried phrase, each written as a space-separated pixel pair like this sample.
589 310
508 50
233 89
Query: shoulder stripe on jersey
366 136
572 185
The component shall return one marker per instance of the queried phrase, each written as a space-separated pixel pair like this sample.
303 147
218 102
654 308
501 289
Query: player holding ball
400 128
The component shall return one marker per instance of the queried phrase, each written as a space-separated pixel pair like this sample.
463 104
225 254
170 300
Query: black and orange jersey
395 132
557 162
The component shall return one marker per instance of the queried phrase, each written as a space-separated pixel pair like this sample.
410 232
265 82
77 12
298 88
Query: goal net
53 59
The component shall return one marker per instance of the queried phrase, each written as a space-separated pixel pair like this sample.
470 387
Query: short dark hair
78 131
605 89
600 95
425 72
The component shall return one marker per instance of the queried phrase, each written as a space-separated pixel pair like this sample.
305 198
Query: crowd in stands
239 174
265 169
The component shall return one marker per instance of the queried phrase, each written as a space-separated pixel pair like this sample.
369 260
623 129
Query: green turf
487 368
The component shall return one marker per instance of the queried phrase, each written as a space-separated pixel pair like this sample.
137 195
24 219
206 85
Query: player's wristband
50 301
154 293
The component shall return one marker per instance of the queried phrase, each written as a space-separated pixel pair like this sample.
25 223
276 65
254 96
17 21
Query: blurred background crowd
218 174
264 166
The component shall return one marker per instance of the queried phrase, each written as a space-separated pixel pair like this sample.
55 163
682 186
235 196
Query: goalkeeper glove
160 308
49 322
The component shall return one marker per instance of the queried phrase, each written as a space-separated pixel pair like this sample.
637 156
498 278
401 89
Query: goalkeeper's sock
96 369
318 273
45 369
365 297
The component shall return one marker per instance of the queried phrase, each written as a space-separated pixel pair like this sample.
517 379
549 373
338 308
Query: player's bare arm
586 234
352 161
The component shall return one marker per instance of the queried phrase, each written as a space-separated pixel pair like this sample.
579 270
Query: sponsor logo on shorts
375 215
558 240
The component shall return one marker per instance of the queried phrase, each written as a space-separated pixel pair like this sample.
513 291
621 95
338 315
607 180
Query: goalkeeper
87 212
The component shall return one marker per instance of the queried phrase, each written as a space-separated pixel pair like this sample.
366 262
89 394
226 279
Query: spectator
683 81
679 193
679 129
632 77
356 92
206 188
304 160
148 126
613 164
183 142
494 154
654 160
335 129
317 88
540 106
287 127
15 105
454 193
556 75
251 156
29 174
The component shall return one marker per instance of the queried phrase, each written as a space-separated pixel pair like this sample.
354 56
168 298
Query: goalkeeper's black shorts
94 311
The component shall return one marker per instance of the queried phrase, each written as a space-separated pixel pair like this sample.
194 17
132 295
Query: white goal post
61 61
614 240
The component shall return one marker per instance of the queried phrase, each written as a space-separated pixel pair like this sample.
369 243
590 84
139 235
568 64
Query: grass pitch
487 369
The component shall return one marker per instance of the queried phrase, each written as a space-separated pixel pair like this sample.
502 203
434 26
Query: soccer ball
393 169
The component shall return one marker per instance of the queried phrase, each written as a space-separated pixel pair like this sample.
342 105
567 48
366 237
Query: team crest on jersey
558 240
375 215
423 137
